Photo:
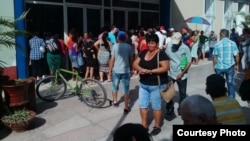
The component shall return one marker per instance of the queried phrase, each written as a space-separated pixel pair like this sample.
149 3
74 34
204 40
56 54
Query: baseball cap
171 29
176 38
121 35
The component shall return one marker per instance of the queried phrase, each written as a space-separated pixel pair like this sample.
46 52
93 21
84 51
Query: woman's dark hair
127 131
142 33
152 38
74 38
104 39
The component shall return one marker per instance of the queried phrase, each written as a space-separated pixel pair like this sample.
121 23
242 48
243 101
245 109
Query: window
107 3
241 7
149 19
208 5
60 1
92 2
132 20
119 19
122 3
94 24
150 6
45 18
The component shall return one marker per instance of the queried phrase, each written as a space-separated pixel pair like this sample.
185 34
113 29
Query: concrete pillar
21 43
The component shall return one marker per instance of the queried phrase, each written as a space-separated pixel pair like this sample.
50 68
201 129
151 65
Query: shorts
150 94
125 80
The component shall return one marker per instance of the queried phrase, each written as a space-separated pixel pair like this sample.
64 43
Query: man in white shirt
161 37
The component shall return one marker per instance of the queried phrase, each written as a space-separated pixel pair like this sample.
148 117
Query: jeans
229 73
210 53
150 94
182 85
125 81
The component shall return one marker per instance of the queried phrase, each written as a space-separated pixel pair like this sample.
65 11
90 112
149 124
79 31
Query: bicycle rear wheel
50 88
92 93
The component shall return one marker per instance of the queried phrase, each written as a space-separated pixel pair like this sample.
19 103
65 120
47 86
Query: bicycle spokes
92 93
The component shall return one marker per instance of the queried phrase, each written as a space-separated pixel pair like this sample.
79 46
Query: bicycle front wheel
93 93
50 88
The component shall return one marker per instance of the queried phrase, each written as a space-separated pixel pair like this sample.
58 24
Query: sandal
126 111
155 131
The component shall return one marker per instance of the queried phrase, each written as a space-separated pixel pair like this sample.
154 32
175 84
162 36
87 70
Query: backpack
52 46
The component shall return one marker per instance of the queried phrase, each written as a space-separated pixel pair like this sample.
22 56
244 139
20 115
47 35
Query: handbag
168 93
80 60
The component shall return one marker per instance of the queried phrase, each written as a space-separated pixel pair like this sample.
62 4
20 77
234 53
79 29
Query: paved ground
71 120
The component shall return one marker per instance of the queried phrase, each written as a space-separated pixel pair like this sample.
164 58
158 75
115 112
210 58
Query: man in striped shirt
228 110
226 60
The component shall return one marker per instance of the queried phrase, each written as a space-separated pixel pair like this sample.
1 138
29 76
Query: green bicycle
90 91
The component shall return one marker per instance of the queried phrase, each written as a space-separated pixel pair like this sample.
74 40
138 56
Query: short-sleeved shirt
122 53
203 39
112 38
151 79
35 44
225 50
175 55
212 40
70 43
228 111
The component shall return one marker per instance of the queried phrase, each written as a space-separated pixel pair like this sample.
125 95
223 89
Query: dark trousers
37 67
182 86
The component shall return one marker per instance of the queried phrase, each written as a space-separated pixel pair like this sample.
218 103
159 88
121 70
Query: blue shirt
225 50
35 44
122 53
112 38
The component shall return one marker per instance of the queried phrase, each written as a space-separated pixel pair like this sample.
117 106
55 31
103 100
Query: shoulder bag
168 93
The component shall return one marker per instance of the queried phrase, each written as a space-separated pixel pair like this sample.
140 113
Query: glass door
132 20
75 19
94 22
119 19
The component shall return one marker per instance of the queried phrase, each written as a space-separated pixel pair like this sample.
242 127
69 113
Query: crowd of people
158 56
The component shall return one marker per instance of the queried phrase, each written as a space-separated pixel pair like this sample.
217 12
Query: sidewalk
69 119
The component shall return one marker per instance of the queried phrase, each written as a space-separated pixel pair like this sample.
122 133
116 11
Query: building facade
59 16
220 13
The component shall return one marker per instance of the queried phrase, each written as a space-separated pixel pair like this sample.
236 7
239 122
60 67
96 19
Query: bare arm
237 60
164 67
111 63
136 65
180 75
214 61
96 44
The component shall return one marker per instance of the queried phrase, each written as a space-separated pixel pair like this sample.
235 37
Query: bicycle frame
78 78
90 91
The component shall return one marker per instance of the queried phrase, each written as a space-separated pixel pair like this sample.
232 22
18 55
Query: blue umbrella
197 20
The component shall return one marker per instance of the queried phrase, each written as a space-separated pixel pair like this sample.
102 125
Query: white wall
7 12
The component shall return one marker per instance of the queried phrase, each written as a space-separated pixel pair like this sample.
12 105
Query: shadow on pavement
36 123
4 132
133 97
43 106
